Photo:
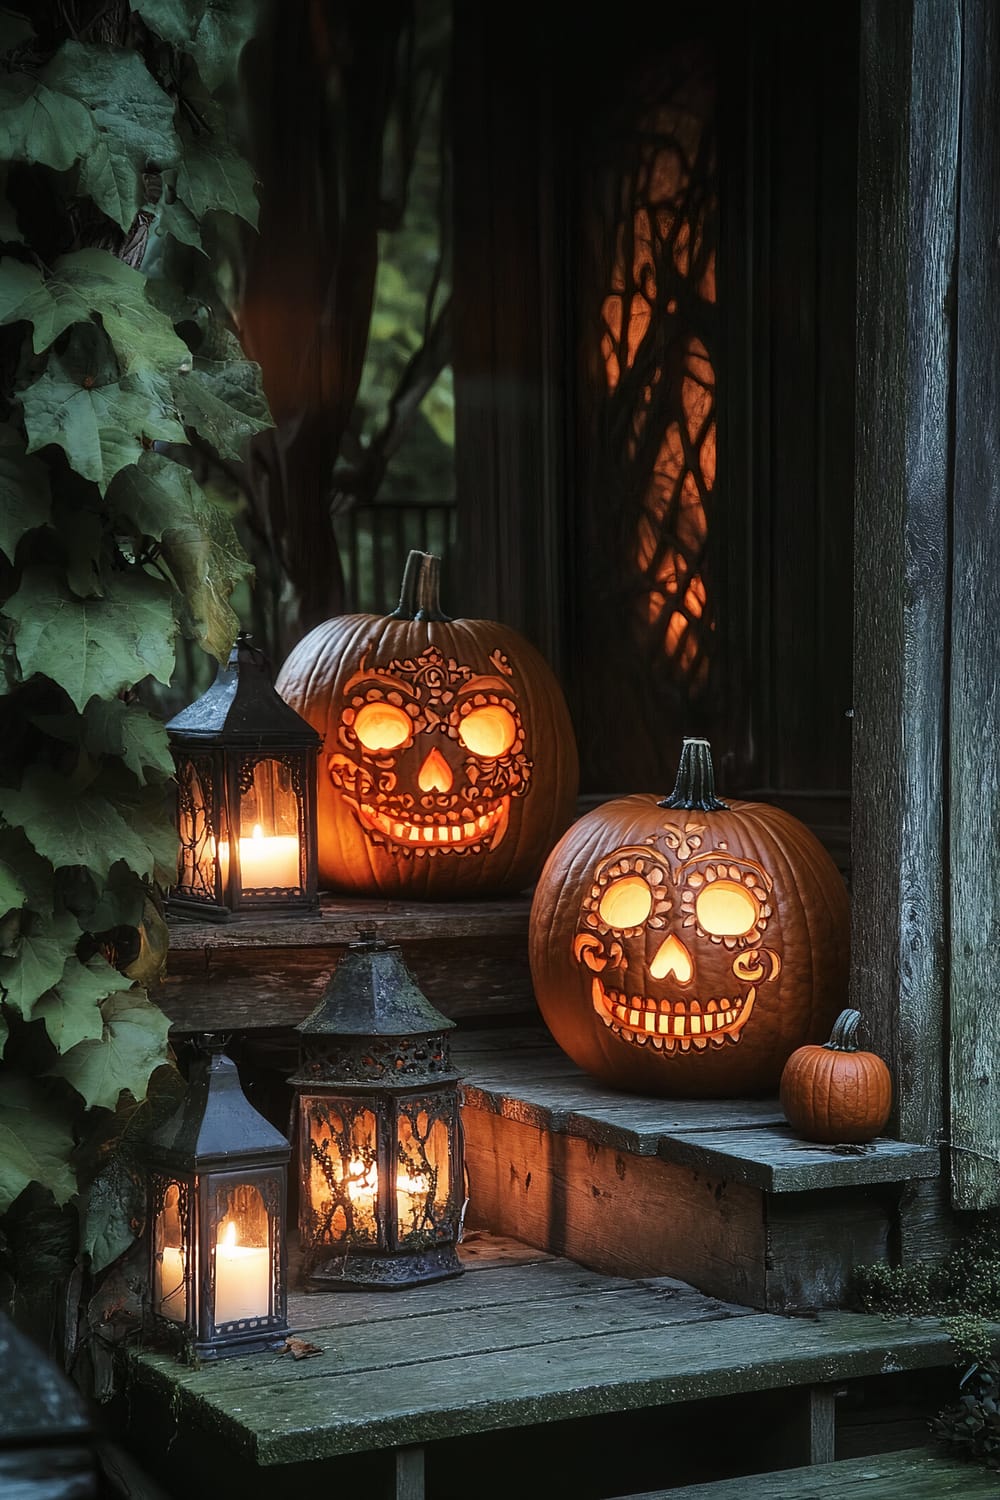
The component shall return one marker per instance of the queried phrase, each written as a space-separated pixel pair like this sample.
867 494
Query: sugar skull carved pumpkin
684 946
449 765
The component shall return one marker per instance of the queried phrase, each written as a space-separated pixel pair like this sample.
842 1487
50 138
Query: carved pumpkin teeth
669 1025
432 834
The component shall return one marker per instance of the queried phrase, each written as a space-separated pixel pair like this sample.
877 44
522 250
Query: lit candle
173 1292
242 1279
266 860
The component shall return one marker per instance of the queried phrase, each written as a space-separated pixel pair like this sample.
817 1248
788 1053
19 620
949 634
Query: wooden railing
374 541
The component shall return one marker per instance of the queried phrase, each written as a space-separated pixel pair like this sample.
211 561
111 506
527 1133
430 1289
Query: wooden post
908 166
975 617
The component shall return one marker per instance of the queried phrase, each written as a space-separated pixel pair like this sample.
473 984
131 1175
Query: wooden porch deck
520 1342
654 1290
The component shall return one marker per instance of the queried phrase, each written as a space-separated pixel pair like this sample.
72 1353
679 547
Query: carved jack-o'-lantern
449 765
685 946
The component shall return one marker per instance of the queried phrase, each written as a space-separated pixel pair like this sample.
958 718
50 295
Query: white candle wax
266 860
242 1280
173 1293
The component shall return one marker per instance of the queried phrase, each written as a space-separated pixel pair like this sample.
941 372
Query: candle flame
258 832
227 1234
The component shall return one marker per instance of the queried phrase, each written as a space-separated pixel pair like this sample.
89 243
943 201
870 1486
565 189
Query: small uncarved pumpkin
449 765
835 1092
684 946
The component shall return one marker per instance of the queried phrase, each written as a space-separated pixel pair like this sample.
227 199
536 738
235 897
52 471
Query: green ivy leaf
97 645
214 32
224 401
36 1140
198 543
71 1010
45 947
134 120
69 827
99 905
12 890
80 285
155 495
113 1213
25 296
128 731
213 176
25 498
177 219
22 869
43 125
133 1044
101 427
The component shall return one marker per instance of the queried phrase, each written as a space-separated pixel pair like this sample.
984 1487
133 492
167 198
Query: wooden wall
536 124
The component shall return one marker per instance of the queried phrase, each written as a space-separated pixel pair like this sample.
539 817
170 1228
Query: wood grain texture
619 1214
516 1364
974 771
519 1074
908 159
816 1240
916 1474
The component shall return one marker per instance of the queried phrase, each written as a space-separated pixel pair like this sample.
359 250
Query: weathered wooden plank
616 1212
815 1241
914 1474
911 57
575 1376
253 988
974 775
775 1159
341 919
371 1350
48 1474
478 1287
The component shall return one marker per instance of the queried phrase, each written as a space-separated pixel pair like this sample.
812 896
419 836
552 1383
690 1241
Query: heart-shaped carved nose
435 773
672 957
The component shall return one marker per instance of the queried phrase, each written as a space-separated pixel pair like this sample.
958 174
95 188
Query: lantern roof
371 992
242 706
216 1125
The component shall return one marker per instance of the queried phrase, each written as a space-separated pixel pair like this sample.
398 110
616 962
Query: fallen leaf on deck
300 1348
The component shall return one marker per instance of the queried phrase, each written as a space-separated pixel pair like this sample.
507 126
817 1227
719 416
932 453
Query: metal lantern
246 796
381 1187
217 1192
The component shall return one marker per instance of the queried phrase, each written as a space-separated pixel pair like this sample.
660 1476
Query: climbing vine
124 392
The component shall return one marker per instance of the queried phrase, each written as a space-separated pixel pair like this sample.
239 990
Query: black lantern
381 1187
246 796
217 1190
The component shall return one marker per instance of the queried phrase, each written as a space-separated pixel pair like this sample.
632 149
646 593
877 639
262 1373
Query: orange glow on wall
661 253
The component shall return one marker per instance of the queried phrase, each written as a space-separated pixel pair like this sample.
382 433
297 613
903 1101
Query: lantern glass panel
340 1140
243 1256
196 854
171 1255
423 1177
270 847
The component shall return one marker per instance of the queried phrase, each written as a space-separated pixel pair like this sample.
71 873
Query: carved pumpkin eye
488 731
382 726
626 902
725 909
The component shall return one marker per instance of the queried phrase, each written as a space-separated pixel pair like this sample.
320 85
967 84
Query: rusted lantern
381 1186
217 1193
246 796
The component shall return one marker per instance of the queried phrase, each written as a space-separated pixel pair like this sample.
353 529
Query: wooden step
512 1344
914 1474
718 1192
263 973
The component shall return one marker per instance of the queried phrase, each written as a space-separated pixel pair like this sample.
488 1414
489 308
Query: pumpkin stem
695 784
419 594
844 1036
